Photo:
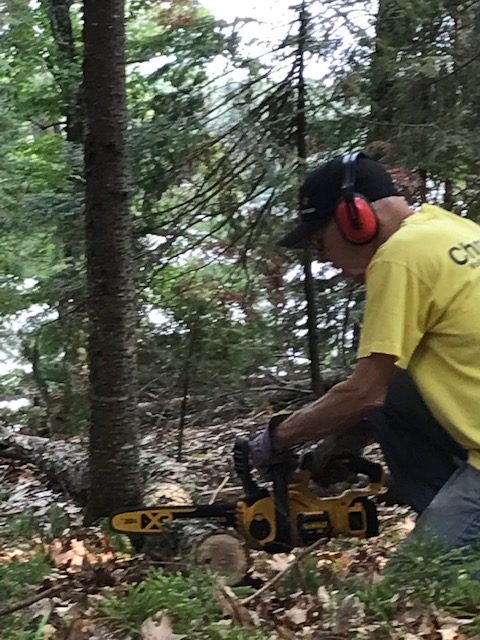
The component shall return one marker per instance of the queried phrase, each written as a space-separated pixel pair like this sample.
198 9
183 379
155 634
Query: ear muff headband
354 214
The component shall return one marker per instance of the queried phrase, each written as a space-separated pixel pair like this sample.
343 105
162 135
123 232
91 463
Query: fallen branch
219 488
22 604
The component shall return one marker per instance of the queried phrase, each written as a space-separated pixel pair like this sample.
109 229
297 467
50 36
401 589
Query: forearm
340 408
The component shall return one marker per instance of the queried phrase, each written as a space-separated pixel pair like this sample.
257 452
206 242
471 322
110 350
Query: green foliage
214 178
22 526
223 632
304 576
380 601
57 523
20 627
423 570
187 599
26 525
17 574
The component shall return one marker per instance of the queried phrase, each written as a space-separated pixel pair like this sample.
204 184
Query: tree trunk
114 471
68 77
66 67
309 283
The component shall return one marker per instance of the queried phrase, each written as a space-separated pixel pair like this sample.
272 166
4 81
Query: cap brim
298 238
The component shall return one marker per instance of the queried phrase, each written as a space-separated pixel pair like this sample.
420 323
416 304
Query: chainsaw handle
359 464
352 462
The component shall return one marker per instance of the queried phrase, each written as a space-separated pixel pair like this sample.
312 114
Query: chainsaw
275 521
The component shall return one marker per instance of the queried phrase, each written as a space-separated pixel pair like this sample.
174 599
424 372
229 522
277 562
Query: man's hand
262 454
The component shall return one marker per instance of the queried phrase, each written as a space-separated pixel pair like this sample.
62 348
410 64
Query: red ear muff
356 220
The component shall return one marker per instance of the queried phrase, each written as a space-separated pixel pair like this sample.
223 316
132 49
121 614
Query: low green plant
20 627
57 523
186 598
17 574
220 631
22 526
304 576
424 570
379 600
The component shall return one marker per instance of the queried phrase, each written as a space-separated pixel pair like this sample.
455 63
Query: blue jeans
428 466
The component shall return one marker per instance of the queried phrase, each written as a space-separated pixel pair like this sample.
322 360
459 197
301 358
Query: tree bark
114 470
66 465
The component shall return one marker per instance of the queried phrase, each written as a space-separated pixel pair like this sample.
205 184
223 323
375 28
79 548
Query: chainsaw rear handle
359 464
354 463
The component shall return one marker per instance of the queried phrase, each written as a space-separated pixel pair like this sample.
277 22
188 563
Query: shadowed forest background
216 323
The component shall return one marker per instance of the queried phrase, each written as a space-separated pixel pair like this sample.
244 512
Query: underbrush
423 575
188 600
16 576
421 585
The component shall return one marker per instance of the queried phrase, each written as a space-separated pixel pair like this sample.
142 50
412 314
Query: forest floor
62 581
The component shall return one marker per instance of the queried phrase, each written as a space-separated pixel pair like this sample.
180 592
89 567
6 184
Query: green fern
187 599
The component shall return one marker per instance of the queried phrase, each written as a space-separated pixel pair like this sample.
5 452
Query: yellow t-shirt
423 306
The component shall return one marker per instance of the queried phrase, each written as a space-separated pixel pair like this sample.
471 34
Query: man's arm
342 406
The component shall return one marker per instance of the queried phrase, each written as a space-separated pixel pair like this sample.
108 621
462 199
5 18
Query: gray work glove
262 455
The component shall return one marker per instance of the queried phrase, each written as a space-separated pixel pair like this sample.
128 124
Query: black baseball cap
322 190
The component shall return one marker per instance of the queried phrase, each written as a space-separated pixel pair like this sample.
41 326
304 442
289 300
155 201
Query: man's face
330 246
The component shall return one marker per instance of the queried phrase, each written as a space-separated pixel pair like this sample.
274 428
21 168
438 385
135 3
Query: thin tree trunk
188 369
66 66
318 386
113 456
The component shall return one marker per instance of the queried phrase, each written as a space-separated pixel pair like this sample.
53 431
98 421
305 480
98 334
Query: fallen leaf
451 634
280 561
284 634
158 627
49 631
324 597
297 615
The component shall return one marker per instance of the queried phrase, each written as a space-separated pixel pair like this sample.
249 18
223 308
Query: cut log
224 552
195 542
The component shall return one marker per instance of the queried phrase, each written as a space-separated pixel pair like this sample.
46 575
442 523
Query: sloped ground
333 591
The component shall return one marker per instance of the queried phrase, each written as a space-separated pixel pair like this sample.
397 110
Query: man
417 378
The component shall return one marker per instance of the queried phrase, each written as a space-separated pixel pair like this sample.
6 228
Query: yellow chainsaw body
310 516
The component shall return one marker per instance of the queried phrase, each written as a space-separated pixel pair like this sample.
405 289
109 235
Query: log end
224 553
